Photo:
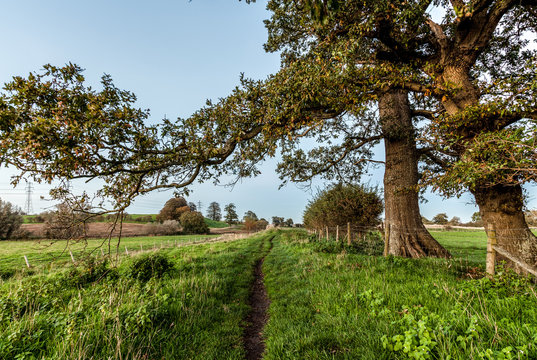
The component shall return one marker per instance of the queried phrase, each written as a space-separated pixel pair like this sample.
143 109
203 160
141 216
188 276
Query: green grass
323 305
195 312
48 255
215 224
345 306
468 246
27 219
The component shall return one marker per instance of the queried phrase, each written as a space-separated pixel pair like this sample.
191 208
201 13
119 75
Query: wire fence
469 249
53 255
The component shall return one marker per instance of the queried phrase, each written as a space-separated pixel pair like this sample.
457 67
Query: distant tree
440 219
173 209
476 217
65 223
455 220
261 224
341 204
277 221
289 222
250 215
192 206
230 215
10 219
214 212
425 220
193 222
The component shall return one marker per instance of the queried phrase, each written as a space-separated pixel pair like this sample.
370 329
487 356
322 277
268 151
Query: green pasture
47 255
194 312
324 305
352 306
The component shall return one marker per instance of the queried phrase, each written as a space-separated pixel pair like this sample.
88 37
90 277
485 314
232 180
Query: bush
261 224
340 204
10 219
194 223
21 234
90 271
168 227
150 266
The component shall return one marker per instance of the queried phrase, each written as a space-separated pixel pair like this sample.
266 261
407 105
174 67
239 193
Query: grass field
49 255
468 246
195 311
345 306
323 305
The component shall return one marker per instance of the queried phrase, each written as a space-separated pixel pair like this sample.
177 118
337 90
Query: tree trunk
501 209
408 236
501 206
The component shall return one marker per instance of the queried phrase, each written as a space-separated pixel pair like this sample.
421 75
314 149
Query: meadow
323 305
50 255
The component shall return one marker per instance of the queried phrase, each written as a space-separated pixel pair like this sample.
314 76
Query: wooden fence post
387 238
491 253
337 233
349 234
327 233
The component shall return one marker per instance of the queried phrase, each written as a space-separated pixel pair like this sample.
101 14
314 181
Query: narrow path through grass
254 343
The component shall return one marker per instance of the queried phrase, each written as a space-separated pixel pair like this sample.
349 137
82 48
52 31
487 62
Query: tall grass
347 306
194 312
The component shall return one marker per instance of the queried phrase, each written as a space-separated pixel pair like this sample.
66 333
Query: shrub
91 270
261 224
10 219
250 224
21 234
194 223
340 204
168 227
150 266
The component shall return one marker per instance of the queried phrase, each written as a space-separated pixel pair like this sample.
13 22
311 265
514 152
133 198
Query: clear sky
173 54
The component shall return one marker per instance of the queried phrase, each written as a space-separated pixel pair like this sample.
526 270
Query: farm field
323 305
50 255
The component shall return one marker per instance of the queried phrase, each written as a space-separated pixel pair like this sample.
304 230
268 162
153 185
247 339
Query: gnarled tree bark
501 209
408 236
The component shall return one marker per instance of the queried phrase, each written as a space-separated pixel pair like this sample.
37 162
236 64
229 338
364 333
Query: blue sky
173 54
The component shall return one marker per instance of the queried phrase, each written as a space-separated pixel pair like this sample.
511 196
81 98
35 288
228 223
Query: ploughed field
191 302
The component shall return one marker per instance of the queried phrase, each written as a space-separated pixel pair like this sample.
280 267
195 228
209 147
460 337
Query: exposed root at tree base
259 303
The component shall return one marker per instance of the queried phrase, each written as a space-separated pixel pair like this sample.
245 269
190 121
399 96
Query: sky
174 55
